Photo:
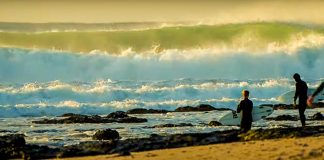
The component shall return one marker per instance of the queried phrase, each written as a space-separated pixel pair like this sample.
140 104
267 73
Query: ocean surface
50 69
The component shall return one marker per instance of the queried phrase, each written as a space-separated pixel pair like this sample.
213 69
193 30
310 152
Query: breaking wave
105 96
245 37
22 66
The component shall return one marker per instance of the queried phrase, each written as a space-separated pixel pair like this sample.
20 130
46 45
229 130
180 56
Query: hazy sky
161 10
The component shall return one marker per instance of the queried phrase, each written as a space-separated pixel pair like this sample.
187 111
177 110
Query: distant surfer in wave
301 94
246 107
318 90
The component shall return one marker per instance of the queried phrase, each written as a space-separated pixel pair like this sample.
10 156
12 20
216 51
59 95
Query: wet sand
277 149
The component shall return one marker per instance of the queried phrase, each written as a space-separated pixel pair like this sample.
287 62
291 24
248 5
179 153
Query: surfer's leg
301 110
246 125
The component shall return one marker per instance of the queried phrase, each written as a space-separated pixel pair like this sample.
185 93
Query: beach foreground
283 148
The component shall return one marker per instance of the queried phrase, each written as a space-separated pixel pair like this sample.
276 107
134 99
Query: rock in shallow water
170 125
117 114
146 111
199 108
281 106
107 134
214 123
283 118
69 115
119 117
317 116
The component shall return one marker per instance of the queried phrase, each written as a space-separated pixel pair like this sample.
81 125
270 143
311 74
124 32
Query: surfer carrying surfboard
301 94
246 107
318 90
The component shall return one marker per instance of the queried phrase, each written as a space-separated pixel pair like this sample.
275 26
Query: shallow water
67 134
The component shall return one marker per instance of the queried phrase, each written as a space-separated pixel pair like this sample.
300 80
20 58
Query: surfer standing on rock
246 107
301 94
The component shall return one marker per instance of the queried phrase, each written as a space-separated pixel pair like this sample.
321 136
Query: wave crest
246 37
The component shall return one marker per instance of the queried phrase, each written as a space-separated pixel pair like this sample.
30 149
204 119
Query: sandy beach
284 148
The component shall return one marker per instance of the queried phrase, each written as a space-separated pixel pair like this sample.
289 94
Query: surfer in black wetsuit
318 90
246 107
301 94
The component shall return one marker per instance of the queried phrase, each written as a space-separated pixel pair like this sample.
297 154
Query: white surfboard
288 98
258 112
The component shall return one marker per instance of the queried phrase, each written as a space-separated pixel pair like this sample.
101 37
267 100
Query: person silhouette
301 94
317 91
246 107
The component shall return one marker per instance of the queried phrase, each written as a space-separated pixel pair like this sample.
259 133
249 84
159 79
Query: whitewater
51 69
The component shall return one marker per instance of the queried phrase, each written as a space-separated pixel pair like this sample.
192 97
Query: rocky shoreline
108 141
123 117
14 146
291 106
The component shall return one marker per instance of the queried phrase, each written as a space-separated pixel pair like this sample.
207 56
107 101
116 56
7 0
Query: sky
208 11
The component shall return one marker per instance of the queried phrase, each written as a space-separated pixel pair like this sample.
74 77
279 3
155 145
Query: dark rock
73 151
15 140
200 108
74 119
171 125
6 131
214 123
283 118
318 105
154 135
117 115
130 120
87 149
283 106
12 146
173 141
45 130
107 134
261 134
223 109
69 115
39 152
267 105
291 106
317 116
146 111
15 147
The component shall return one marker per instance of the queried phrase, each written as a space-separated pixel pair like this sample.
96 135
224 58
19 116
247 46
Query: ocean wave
57 97
246 37
104 86
59 108
103 91
21 66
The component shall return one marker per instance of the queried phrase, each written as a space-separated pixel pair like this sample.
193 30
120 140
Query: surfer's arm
296 93
239 108
319 89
